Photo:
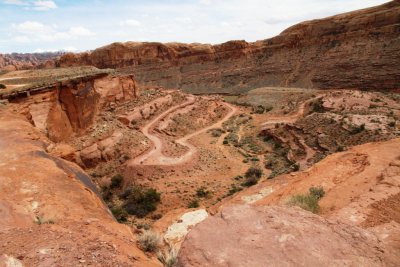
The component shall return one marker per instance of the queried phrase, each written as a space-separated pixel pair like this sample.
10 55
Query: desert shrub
202 192
217 132
149 241
259 109
392 124
141 202
193 204
116 181
295 167
250 181
168 259
119 214
253 174
317 106
234 189
317 192
306 202
358 129
2 86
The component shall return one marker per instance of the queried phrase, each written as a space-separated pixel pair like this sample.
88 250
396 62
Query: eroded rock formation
16 61
353 50
51 213
71 106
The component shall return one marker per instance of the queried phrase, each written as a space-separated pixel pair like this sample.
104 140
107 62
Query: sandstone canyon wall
360 49
70 107
50 212
17 61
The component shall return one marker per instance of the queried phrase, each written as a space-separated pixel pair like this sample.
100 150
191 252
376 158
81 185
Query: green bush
2 86
318 106
141 202
306 202
317 192
193 204
358 129
234 189
202 192
253 174
119 214
116 181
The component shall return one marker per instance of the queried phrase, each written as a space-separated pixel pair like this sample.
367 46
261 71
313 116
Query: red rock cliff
71 107
359 49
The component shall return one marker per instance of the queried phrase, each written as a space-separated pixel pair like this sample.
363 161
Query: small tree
2 86
193 204
253 174
116 181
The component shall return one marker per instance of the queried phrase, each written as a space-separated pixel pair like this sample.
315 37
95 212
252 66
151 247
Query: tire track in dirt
154 156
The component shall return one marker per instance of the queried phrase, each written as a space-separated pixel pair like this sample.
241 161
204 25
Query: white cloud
66 49
32 27
70 49
44 5
130 22
80 31
30 31
16 2
204 21
40 5
184 20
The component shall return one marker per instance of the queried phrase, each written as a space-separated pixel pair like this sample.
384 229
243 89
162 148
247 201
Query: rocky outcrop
51 213
70 107
353 50
17 61
278 236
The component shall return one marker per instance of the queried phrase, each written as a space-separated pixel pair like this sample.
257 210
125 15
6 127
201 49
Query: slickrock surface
278 236
359 49
50 212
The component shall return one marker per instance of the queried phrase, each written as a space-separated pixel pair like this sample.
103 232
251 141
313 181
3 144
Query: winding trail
154 156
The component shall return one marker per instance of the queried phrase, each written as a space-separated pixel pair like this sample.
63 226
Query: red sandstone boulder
278 236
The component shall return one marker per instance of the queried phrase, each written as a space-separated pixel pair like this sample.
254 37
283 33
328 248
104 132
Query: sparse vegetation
149 241
358 129
193 204
140 201
40 220
120 214
252 175
317 192
234 189
317 106
116 181
168 259
202 192
308 202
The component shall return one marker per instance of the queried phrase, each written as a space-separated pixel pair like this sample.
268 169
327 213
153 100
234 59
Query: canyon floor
148 159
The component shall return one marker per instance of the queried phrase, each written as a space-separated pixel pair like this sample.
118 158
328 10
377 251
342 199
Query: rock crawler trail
154 156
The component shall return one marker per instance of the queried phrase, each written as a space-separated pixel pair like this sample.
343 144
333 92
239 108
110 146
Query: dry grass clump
149 241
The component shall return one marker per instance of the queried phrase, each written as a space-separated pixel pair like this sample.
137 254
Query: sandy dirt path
154 156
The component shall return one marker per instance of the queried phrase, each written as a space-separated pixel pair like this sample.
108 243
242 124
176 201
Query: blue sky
50 25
